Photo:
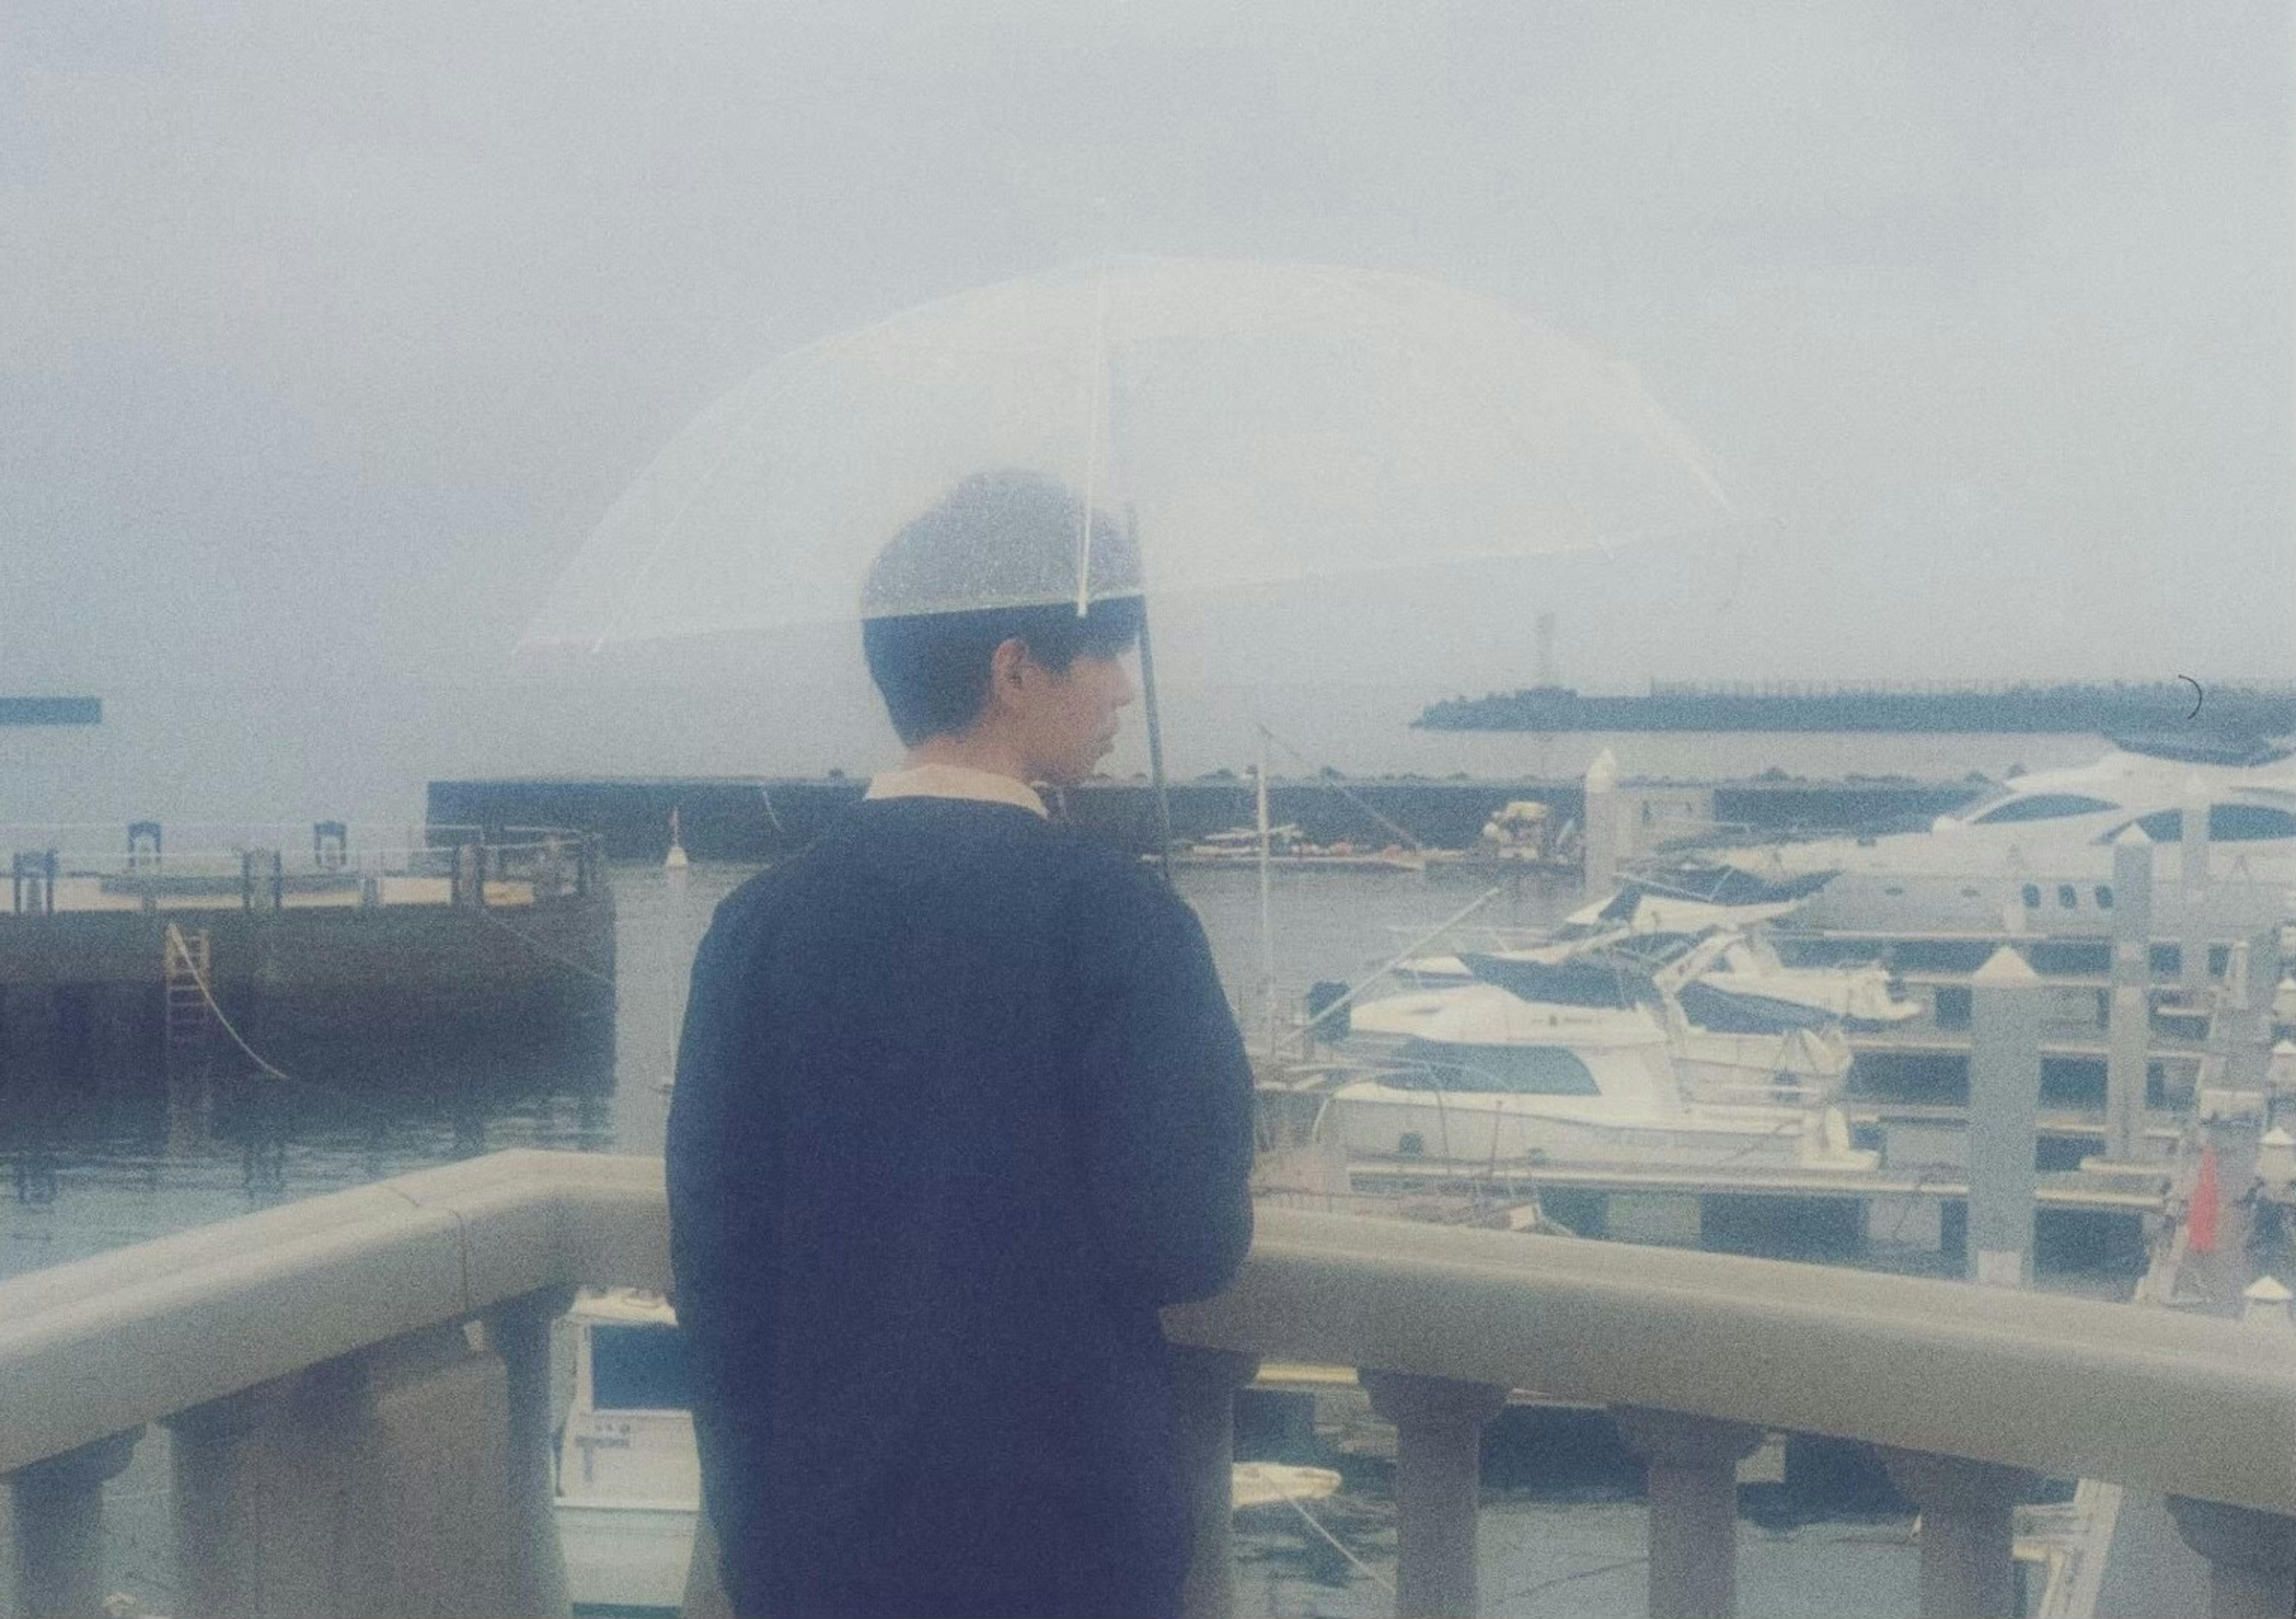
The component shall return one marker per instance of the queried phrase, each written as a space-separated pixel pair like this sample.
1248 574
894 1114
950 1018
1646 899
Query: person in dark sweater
960 1104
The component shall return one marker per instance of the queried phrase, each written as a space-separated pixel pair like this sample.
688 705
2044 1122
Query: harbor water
103 1158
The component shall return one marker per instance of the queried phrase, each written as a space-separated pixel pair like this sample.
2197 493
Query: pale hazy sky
327 332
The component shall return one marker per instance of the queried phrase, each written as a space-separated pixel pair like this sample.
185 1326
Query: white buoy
675 860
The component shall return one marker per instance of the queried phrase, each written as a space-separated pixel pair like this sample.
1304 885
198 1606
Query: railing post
60 1528
1692 1469
1204 1382
1439 1427
519 1331
368 1484
2251 1556
231 1556
1968 1532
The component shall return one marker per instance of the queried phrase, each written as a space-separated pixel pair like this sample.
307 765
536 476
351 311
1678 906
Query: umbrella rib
702 487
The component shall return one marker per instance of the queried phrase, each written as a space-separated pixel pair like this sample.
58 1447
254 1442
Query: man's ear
1008 665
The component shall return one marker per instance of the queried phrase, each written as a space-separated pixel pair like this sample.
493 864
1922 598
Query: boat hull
626 1555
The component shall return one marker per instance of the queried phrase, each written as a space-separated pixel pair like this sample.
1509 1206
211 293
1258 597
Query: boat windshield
1535 1070
2045 806
640 1369
2227 823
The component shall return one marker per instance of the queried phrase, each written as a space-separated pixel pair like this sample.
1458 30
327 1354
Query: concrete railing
357 1388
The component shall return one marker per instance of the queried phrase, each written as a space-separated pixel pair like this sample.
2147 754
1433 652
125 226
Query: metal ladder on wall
186 963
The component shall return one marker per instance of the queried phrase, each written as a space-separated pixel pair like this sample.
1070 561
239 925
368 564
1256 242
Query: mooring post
1599 825
2129 1021
2248 1038
2004 1098
2192 880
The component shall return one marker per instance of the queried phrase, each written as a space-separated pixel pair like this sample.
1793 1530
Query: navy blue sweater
960 1104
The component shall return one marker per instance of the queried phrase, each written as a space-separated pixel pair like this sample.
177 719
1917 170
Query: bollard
2005 1096
2129 1020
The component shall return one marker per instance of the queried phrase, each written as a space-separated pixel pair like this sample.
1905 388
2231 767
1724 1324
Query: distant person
960 1104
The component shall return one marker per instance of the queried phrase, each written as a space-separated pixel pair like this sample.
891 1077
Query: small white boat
629 1480
1721 976
1567 1054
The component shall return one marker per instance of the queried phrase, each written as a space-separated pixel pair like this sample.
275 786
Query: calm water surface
106 1158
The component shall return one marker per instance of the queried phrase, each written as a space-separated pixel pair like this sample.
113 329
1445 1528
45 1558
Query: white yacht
1723 977
1589 1061
2033 856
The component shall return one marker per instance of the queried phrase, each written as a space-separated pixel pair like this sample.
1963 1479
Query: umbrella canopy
1265 423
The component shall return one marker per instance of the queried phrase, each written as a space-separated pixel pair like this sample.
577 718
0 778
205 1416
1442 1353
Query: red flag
2201 1222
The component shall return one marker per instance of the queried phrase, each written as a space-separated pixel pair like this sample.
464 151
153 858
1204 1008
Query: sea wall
755 818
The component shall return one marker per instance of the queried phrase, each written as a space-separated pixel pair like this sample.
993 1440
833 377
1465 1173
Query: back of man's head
997 559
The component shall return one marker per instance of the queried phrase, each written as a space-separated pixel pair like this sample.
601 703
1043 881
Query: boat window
2227 823
2045 806
2249 822
1543 1070
640 1369
2032 895
2068 896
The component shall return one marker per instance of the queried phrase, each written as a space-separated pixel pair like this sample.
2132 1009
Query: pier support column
2005 1097
1204 1382
1438 1426
59 1506
1968 1532
2251 1556
1692 1469
2128 1022
519 1331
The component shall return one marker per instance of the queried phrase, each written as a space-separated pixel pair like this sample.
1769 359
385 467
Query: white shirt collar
955 781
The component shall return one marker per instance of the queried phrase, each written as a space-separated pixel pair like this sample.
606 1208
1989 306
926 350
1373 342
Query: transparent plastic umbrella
1261 423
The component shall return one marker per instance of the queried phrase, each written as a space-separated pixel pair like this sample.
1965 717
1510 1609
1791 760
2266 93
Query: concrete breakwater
751 818
473 938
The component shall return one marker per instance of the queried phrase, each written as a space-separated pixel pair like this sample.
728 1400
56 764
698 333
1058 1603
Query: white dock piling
2005 1099
1601 823
2192 877
2128 1017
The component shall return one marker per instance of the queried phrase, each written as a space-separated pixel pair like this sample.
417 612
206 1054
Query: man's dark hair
995 562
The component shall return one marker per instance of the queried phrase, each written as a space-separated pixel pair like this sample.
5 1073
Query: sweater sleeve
1169 1134
716 1144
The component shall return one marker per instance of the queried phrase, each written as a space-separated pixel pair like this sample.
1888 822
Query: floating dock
344 934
